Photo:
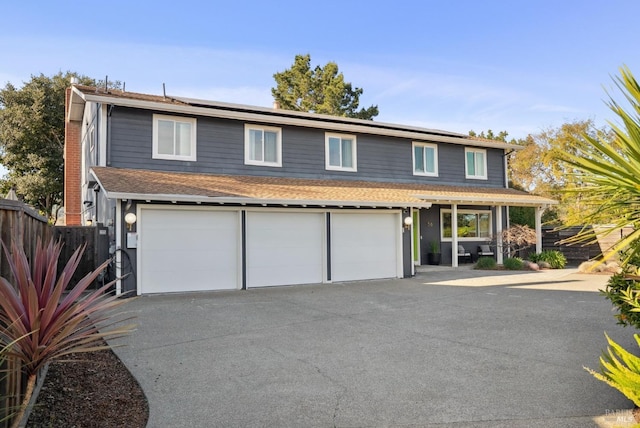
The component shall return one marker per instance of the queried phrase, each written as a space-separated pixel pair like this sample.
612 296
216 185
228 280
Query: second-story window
475 163
262 145
174 138
425 159
340 152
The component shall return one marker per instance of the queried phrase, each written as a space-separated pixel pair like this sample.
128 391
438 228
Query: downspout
539 211
506 184
109 111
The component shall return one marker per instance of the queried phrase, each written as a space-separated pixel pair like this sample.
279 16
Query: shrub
555 258
43 320
621 285
486 263
621 370
616 291
513 263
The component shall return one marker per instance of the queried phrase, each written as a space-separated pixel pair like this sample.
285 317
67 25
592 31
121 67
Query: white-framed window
475 161
262 145
174 137
472 225
425 159
340 152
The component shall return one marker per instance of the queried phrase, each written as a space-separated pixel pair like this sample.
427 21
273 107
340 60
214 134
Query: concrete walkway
448 348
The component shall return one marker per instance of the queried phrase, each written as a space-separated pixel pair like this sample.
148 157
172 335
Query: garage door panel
284 248
188 250
364 246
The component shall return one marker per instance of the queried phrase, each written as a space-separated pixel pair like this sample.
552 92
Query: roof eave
222 200
504 201
76 105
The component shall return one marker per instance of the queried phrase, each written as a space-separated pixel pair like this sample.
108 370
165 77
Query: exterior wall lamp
408 222
130 219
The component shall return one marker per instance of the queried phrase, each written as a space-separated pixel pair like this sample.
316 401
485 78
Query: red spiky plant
49 320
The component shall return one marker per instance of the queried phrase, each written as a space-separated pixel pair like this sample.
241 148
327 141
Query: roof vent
276 105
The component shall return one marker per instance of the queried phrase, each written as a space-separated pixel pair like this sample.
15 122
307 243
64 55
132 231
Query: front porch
435 232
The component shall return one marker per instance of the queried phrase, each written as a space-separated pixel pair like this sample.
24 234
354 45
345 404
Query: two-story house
202 195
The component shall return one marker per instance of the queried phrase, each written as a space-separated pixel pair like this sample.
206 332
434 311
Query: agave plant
52 320
610 170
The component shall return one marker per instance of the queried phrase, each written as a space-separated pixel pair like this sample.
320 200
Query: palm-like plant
609 170
51 320
620 370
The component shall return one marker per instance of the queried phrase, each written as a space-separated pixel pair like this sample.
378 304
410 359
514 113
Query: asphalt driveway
449 347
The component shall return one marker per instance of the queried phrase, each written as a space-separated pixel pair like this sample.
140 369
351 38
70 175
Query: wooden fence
578 253
95 239
21 225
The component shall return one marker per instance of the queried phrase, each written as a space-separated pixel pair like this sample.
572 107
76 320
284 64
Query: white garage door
188 250
364 246
284 248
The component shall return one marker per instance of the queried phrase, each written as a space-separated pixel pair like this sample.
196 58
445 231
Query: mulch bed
90 390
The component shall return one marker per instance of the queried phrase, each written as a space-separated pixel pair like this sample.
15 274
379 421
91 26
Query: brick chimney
72 167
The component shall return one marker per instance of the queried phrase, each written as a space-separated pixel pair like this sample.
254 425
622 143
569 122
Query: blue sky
519 66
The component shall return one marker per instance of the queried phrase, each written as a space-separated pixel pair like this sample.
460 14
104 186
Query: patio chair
485 251
464 254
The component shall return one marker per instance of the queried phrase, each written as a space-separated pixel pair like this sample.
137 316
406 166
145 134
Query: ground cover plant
554 258
486 263
513 263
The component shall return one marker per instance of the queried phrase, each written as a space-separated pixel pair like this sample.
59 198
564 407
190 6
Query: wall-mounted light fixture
130 219
408 221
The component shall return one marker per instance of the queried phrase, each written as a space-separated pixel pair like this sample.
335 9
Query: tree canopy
32 138
319 90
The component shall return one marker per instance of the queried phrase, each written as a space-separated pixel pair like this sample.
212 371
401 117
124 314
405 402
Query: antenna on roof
164 91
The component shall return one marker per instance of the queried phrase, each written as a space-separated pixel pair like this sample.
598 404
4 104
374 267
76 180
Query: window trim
466 166
181 119
465 238
354 152
415 144
247 160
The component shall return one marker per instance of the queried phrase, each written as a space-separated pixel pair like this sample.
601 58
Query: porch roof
119 183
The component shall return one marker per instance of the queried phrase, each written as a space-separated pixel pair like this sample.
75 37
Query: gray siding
220 150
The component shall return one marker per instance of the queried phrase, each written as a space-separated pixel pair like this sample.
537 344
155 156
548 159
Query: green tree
321 90
538 167
489 135
32 138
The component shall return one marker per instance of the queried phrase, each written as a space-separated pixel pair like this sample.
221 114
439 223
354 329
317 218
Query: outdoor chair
485 251
464 254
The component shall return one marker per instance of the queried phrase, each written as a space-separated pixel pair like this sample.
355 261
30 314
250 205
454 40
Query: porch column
499 234
118 254
454 235
539 229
